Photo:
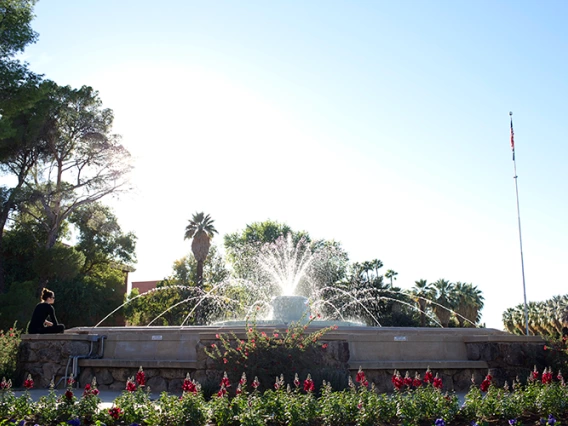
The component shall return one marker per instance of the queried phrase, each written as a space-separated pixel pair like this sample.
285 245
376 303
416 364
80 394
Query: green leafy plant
9 344
269 354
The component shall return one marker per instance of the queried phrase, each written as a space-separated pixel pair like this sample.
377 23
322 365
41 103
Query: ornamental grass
542 400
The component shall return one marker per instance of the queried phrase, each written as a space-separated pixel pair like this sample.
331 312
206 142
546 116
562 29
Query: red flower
68 394
225 381
188 385
70 381
545 347
534 375
428 376
397 380
130 385
5 384
296 380
222 392
239 389
225 361
485 383
437 382
255 383
546 377
115 412
324 346
243 380
309 384
140 377
407 380
416 383
360 377
29 383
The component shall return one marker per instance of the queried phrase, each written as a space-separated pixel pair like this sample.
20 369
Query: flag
512 139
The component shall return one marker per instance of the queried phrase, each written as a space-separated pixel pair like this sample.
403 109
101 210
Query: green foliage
18 304
292 352
241 247
100 238
189 410
15 29
99 293
136 406
58 263
9 344
178 299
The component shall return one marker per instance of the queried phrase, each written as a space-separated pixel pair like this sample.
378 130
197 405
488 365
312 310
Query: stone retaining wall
168 354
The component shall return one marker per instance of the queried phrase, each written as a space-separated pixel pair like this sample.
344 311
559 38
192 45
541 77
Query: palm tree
443 301
201 230
468 303
391 274
377 264
422 292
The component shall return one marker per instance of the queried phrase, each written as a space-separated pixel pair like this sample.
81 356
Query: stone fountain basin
173 351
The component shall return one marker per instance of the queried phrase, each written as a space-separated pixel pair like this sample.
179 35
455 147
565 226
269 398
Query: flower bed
415 401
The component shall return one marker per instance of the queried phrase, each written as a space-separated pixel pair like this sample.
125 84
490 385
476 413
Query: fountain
112 354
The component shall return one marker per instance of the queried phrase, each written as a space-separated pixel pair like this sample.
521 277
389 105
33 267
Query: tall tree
443 303
82 161
24 128
422 293
200 230
391 275
15 29
468 302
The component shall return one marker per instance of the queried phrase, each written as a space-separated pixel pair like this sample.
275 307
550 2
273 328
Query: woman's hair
46 294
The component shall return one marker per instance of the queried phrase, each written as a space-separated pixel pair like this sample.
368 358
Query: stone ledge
417 365
61 337
144 363
503 339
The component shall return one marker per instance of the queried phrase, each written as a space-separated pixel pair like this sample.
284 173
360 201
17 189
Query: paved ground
108 396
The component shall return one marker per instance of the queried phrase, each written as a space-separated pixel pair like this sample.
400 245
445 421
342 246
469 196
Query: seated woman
44 310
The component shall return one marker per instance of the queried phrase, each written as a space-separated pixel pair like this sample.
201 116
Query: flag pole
519 222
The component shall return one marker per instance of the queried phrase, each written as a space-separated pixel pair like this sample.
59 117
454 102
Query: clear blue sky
381 124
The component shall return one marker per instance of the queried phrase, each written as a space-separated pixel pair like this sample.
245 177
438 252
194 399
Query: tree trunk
199 277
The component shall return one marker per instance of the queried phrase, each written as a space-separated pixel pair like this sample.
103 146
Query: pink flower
276 335
324 346
360 377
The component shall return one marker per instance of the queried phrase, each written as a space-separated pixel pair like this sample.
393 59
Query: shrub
268 355
9 345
